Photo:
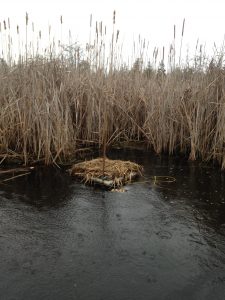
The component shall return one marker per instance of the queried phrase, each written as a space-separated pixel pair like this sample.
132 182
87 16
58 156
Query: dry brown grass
51 106
115 173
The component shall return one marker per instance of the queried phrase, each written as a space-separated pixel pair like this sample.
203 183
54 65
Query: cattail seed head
90 20
100 28
196 47
183 28
114 17
117 35
26 18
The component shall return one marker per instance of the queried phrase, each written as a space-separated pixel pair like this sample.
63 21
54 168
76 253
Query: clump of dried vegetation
51 105
107 172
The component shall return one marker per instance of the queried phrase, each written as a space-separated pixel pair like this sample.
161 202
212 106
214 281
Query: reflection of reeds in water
50 104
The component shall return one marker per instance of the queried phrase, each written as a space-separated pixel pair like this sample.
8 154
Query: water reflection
45 187
166 240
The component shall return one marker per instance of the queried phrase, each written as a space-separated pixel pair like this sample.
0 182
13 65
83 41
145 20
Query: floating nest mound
109 174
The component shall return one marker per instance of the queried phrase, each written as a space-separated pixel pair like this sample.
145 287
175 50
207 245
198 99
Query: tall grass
51 105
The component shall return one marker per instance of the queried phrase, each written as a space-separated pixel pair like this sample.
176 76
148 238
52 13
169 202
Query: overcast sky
153 20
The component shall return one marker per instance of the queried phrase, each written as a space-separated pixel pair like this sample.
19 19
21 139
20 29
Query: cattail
182 34
156 53
196 47
170 53
26 18
61 19
100 28
4 22
114 17
8 23
17 29
117 35
183 28
39 34
96 28
90 20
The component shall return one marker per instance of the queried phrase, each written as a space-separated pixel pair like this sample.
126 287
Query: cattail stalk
181 42
26 35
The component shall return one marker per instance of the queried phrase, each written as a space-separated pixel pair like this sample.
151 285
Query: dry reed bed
51 106
48 108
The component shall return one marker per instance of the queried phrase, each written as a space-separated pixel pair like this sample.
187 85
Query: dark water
62 240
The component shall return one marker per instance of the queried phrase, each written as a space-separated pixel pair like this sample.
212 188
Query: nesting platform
106 172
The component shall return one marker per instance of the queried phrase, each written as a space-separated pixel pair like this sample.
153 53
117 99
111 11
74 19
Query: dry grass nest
116 172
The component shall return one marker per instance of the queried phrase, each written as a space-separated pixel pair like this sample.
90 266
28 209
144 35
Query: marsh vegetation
54 104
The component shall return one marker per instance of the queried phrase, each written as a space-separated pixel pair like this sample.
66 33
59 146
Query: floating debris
119 190
20 171
106 172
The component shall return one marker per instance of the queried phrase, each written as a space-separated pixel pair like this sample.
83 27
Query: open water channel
60 239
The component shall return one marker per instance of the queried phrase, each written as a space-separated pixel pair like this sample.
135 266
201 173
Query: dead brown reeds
53 105
14 173
116 172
